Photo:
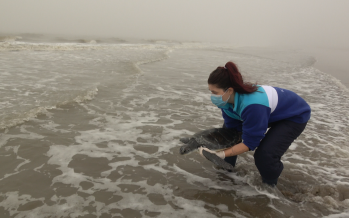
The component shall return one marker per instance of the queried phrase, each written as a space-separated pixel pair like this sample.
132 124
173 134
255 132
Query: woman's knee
261 157
265 160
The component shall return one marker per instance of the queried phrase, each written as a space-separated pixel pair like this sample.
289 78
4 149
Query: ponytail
229 76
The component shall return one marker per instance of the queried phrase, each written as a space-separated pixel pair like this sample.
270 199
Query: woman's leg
275 143
231 160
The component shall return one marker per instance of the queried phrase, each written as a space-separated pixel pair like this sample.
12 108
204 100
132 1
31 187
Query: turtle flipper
217 160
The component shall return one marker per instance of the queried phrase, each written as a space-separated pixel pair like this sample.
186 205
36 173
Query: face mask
218 101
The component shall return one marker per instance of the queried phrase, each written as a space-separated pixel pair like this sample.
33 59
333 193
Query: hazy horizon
242 23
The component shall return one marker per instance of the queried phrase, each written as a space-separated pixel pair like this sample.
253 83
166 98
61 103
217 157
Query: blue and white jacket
251 113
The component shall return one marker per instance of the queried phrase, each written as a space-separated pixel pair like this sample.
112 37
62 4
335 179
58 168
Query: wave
296 58
41 38
9 38
16 119
19 43
127 57
163 57
22 46
91 45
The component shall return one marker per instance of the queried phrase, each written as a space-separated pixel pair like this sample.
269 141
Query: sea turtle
214 139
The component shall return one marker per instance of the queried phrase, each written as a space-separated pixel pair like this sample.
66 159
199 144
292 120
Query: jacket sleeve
255 123
231 123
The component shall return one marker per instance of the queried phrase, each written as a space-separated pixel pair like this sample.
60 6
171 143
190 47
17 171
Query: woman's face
218 91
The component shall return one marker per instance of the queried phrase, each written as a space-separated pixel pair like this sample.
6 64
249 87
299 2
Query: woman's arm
236 150
231 123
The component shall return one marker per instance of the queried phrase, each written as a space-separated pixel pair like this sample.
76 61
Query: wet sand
116 155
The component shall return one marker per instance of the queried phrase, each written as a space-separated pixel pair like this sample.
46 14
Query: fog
239 22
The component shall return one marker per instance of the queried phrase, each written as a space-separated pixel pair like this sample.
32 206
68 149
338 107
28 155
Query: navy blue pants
272 147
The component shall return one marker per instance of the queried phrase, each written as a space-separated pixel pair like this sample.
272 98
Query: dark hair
229 76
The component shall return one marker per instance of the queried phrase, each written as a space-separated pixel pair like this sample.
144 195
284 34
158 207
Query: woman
252 109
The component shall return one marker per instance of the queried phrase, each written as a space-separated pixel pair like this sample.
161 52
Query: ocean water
91 128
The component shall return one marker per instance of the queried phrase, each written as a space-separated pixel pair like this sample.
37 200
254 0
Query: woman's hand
220 154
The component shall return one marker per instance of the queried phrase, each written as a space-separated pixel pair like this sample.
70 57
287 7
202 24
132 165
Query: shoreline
334 62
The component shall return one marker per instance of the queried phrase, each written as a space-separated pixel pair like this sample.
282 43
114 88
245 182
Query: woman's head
230 77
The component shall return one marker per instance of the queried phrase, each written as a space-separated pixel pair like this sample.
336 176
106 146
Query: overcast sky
239 22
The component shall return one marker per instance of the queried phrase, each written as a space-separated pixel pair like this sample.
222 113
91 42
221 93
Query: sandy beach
109 147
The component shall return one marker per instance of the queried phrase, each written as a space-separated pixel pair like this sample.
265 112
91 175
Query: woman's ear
231 91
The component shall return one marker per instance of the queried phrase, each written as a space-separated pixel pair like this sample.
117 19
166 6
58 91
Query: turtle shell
218 138
213 139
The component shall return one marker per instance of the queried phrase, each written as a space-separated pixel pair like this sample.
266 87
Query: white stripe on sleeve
272 97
